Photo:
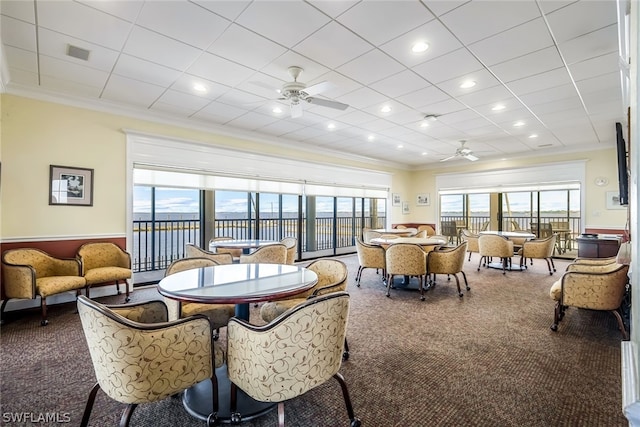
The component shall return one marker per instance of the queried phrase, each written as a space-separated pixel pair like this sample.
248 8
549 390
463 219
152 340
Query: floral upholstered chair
218 314
105 263
406 259
492 245
29 273
369 256
593 287
539 249
291 355
235 253
449 261
140 357
292 244
271 254
193 251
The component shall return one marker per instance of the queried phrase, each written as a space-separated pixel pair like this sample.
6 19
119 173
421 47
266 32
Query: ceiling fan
462 152
296 92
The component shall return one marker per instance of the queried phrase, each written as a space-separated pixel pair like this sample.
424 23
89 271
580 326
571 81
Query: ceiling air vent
78 52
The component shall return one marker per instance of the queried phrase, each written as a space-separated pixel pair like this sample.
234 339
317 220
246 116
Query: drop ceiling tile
572 102
217 69
21 59
477 20
362 98
439 39
64 70
220 111
282 24
55 45
251 121
483 80
68 87
174 110
84 23
135 92
279 67
333 8
421 97
385 20
18 34
595 66
546 80
528 65
322 44
280 128
127 10
401 83
601 83
183 100
443 107
229 9
593 16
23 77
242 99
340 85
481 97
591 45
162 50
185 83
445 67
18 9
548 95
440 7
357 117
139 69
528 37
245 47
371 67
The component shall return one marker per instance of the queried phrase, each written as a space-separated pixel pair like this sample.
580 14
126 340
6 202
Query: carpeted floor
487 359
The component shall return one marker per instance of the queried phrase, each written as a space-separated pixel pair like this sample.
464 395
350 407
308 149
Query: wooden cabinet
597 247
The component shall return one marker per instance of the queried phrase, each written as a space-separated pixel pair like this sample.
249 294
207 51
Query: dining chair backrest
367 235
406 259
193 251
292 245
270 254
235 253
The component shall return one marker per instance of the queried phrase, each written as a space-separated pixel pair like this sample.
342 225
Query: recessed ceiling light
424 153
371 137
420 47
385 109
518 124
400 146
498 107
277 110
533 135
331 126
467 84
424 124
199 87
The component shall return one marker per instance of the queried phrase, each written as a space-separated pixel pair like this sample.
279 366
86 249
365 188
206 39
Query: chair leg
2 307
549 266
466 284
460 294
420 279
43 305
358 275
345 353
236 418
552 264
557 317
623 329
126 414
280 414
355 422
127 298
212 419
89 406
389 282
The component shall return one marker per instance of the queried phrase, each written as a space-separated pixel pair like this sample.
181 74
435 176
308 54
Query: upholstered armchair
422 234
593 287
493 245
292 245
140 357
406 259
235 253
472 241
539 249
193 251
449 261
271 254
105 263
290 355
367 235
218 314
31 273
429 229
369 256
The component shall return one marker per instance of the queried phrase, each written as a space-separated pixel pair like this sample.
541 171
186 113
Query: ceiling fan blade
470 157
317 88
296 110
448 158
327 103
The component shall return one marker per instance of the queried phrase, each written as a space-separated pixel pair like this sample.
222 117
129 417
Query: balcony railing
158 243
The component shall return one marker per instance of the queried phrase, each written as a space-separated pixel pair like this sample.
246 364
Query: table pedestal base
513 267
198 402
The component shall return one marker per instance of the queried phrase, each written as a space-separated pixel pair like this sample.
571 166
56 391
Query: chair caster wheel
44 322
345 355
460 294
388 296
422 298
212 420
355 422
236 418
127 299
554 327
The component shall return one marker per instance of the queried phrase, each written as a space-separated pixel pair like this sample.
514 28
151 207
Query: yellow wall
35 134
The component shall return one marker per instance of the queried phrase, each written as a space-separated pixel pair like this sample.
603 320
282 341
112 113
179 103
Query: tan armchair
193 251
538 249
271 254
369 256
307 353
449 261
367 235
429 229
292 245
406 259
140 357
235 253
492 245
472 241
105 263
593 287
29 273
218 314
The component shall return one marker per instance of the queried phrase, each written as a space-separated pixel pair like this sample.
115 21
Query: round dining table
239 284
245 244
403 232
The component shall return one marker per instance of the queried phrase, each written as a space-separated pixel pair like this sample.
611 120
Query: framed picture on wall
423 199
395 199
613 200
70 186
405 207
